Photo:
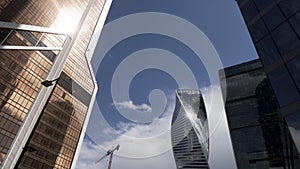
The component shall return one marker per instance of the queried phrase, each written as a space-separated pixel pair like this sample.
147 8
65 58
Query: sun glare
66 21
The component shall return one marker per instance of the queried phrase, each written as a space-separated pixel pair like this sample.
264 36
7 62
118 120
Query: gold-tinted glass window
76 65
20 75
55 138
54 141
22 71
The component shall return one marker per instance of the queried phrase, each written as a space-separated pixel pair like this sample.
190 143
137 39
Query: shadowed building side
275 31
255 125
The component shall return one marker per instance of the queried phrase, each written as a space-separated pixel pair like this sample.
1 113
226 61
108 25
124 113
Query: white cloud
129 105
143 140
144 146
91 153
148 146
154 137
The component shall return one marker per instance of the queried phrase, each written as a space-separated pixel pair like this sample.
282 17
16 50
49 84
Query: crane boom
110 154
100 159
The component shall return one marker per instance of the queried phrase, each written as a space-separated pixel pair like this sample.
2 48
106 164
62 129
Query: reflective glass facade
189 131
256 127
274 26
53 141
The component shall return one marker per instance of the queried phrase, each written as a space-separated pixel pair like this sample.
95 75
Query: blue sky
137 77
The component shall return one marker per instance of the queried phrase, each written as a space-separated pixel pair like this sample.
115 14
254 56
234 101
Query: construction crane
109 153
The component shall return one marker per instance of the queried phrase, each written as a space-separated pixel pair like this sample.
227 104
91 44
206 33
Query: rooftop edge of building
188 91
240 68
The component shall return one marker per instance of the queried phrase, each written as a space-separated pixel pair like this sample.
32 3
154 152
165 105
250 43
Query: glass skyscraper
274 26
41 127
189 131
255 125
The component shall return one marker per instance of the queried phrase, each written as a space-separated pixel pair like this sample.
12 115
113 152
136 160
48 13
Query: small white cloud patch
129 105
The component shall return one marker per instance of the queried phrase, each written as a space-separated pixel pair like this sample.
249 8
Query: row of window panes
34 15
80 107
283 86
55 145
33 162
23 90
54 116
23 57
70 142
10 127
67 130
284 36
15 114
84 83
27 92
52 109
81 71
11 108
53 40
55 113
62 163
48 142
271 20
237 88
18 100
4 119
41 11
54 122
67 152
51 131
73 133
251 7
285 40
82 49
78 75
23 75
5 141
49 146
24 72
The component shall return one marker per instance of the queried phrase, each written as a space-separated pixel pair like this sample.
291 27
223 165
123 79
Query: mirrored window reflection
237 89
283 86
294 68
285 38
273 18
293 122
241 1
262 4
289 7
267 50
258 30
249 11
18 88
295 21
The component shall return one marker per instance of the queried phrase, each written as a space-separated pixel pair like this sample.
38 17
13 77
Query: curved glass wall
189 130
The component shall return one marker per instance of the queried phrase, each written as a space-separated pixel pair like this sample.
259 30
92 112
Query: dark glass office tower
255 125
189 131
274 26
41 127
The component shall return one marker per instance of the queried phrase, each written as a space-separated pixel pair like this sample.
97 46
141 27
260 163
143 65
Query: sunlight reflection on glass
66 21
